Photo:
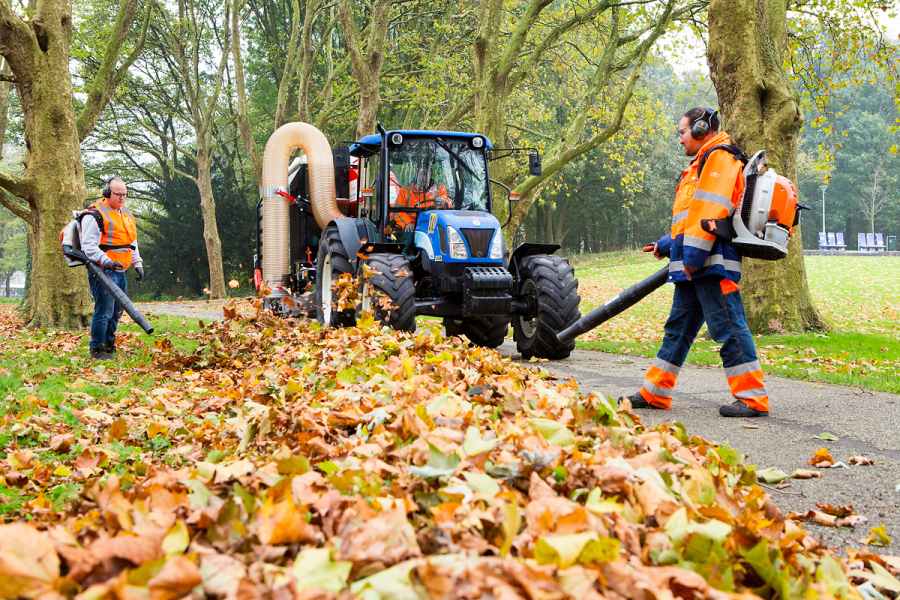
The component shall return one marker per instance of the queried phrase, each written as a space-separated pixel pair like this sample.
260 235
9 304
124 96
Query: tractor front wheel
550 281
332 261
387 290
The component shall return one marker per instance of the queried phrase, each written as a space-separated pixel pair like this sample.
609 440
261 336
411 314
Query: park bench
834 242
871 242
831 241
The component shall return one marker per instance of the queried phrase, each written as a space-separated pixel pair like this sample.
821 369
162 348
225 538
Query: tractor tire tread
558 299
400 289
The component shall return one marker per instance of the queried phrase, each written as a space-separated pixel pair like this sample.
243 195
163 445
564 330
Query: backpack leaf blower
70 241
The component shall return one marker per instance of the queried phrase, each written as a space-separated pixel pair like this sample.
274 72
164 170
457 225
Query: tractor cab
419 172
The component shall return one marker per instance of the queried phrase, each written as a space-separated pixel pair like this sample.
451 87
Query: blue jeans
717 302
107 311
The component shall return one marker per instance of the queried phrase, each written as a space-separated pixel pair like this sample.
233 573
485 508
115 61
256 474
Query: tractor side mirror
534 164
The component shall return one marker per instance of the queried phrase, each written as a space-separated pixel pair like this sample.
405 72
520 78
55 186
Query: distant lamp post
823 188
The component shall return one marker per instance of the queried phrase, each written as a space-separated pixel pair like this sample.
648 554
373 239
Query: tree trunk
243 112
53 184
5 88
210 226
760 106
366 62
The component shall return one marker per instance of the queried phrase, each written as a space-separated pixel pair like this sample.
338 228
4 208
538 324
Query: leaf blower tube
117 293
614 306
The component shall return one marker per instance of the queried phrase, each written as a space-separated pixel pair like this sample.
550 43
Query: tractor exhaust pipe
614 306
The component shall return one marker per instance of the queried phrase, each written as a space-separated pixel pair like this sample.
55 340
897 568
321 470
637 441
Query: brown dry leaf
62 442
861 460
221 574
280 522
28 562
806 474
388 537
840 511
176 579
822 458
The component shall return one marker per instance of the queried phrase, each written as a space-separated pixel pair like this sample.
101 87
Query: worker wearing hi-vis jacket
422 193
114 246
705 270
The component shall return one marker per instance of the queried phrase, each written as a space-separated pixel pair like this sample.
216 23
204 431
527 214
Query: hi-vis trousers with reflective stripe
718 302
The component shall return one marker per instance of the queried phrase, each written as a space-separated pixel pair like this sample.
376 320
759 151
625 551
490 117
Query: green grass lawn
858 296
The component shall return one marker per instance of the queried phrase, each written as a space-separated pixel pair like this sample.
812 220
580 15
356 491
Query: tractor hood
478 229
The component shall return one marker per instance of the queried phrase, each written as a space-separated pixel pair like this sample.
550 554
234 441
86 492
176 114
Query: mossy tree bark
52 185
761 110
366 58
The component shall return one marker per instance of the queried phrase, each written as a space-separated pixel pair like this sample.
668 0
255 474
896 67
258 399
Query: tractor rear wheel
332 261
550 280
387 290
488 332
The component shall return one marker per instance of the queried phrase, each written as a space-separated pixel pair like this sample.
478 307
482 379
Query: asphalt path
865 423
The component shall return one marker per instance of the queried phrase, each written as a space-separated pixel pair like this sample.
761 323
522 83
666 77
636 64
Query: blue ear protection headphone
702 126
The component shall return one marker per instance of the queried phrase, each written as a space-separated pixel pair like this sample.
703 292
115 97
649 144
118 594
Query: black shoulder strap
97 217
736 152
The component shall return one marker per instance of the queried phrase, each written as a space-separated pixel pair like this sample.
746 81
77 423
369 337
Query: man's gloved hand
113 266
140 273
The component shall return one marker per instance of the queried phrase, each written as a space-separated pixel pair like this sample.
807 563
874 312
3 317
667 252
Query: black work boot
637 401
110 348
99 353
740 409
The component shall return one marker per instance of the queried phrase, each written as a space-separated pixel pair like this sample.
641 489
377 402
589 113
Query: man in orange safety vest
114 246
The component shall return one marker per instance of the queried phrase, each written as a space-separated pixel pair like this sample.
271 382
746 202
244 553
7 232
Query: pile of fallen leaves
316 463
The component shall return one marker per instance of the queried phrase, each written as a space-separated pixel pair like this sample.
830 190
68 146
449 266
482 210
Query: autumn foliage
311 463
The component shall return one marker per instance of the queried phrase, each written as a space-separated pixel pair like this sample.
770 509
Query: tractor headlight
497 247
457 245
477 142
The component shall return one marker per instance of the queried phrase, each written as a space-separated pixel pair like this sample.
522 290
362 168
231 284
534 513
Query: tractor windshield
448 172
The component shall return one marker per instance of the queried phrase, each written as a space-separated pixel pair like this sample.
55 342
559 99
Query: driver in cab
422 193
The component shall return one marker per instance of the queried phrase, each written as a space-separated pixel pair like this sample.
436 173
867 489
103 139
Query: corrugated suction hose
275 215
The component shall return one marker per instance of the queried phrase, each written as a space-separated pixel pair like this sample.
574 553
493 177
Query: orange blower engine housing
763 222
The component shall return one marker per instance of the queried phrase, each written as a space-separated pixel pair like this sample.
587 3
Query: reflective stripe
699 243
675 266
754 393
657 391
665 366
679 217
743 369
713 197
718 259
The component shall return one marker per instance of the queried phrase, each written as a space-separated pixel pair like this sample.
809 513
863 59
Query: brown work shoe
99 354
637 401
740 409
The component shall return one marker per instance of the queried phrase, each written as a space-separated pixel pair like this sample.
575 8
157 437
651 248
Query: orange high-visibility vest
118 234
435 197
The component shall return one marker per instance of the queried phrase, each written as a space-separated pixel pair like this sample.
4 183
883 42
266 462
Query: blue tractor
416 235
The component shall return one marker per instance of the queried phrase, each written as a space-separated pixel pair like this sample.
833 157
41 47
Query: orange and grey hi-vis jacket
117 237
712 196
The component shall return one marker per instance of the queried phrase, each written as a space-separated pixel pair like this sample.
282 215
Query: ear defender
703 125
106 192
